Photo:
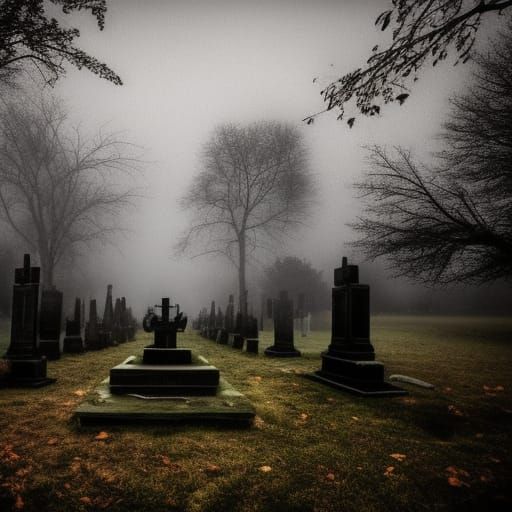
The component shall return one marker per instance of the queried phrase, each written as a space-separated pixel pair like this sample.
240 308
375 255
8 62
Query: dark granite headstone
349 362
50 323
105 326
165 370
73 342
251 335
26 366
92 338
283 328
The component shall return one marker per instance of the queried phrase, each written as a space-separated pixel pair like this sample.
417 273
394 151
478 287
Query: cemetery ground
310 448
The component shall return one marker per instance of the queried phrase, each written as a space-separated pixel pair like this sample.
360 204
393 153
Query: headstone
236 338
26 366
123 321
227 327
251 335
165 370
283 328
116 323
349 362
105 326
92 338
50 323
212 330
73 342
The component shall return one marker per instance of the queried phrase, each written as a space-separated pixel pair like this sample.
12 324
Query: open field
311 448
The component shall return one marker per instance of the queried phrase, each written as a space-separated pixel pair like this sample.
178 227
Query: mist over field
189 67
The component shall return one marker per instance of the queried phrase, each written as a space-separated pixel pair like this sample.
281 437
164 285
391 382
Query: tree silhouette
424 31
254 186
28 35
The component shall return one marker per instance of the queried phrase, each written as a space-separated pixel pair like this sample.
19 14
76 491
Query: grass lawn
311 447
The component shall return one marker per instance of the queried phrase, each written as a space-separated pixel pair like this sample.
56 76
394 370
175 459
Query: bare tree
254 186
452 222
424 31
431 227
57 189
28 35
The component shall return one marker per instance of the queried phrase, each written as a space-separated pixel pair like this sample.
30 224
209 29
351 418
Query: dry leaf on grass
330 476
8 454
258 422
212 468
52 441
102 436
79 392
19 503
23 472
257 378
86 500
265 469
454 476
389 471
355 418
398 456
455 411
303 416
165 460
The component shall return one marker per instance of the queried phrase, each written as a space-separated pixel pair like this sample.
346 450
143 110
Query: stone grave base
276 351
227 406
364 378
73 345
27 373
50 349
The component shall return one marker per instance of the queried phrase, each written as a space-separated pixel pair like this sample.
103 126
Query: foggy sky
188 66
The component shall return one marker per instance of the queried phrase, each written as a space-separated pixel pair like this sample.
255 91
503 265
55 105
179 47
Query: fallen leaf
355 418
398 456
456 412
67 486
166 460
257 378
265 469
19 503
330 399
52 441
295 385
454 481
389 471
499 388
212 468
102 436
258 422
86 500
23 472
79 392
330 476
303 416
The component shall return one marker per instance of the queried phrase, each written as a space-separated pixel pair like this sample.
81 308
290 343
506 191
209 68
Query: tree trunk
46 270
241 276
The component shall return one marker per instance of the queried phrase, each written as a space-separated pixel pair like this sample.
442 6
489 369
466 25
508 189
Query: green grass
303 432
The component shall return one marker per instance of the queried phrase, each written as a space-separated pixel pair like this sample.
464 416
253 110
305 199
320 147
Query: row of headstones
36 327
117 326
225 330
228 329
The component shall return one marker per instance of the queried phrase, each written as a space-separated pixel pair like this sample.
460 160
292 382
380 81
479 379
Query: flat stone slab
228 406
381 389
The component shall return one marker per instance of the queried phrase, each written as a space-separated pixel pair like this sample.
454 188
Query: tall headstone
105 326
92 338
251 335
73 342
116 322
227 327
212 331
27 367
283 328
349 362
50 323
123 321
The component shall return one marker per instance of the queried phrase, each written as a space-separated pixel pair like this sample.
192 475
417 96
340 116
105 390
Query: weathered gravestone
219 322
105 327
116 323
92 337
349 362
235 338
123 321
165 370
283 328
212 331
26 366
223 334
50 323
73 342
251 335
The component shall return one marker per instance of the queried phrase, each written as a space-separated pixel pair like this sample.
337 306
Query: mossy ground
326 450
